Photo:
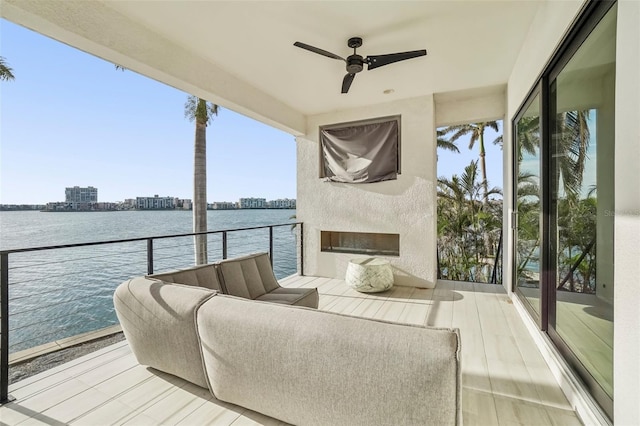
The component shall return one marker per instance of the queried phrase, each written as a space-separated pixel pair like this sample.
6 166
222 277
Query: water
59 293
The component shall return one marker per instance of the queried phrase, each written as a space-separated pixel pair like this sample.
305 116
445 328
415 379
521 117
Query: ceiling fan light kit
355 63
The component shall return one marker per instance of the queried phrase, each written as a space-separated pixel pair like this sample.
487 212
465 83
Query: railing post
224 244
301 249
271 245
150 256
494 275
4 329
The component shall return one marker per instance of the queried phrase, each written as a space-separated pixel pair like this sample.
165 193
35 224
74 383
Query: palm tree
442 143
464 223
528 209
6 73
202 112
571 140
528 130
476 130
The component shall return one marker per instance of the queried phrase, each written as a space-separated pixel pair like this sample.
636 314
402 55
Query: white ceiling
240 54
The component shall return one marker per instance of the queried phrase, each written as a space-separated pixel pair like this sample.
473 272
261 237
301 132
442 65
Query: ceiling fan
356 62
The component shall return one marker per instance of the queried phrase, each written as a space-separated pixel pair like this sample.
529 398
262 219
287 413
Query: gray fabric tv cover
360 153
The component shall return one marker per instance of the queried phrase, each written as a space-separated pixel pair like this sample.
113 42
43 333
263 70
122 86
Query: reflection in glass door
527 205
582 114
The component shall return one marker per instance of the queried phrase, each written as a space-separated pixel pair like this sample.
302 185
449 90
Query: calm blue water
60 293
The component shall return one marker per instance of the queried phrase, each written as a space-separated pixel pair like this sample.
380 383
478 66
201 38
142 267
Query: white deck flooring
505 379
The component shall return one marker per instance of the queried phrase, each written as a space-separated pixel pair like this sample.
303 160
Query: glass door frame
540 316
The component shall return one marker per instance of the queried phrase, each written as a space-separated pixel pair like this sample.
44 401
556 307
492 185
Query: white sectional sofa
296 364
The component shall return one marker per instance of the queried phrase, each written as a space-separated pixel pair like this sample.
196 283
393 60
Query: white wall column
626 331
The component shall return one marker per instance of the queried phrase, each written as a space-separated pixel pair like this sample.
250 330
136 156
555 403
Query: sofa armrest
158 320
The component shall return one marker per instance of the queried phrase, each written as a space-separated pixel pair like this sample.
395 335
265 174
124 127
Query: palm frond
6 73
200 110
447 145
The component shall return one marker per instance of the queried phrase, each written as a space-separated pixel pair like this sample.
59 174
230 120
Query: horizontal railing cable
68 273
129 240
48 319
64 302
55 262
67 287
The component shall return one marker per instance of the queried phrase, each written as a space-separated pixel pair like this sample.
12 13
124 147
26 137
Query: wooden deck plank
173 407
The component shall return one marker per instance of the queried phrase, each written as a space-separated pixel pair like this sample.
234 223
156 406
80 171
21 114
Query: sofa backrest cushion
248 276
198 276
304 366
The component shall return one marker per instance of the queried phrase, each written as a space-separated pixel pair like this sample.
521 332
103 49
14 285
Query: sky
70 118
450 163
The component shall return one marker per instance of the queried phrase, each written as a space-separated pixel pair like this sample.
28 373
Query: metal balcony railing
54 292
467 259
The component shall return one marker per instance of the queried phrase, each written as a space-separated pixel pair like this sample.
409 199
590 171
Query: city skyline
124 199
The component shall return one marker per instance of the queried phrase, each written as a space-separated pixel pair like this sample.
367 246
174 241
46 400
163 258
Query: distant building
285 203
58 206
183 203
155 203
80 198
223 205
18 207
104 206
77 194
253 203
128 204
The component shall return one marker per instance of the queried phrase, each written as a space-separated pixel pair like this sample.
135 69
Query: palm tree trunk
483 171
200 191
485 195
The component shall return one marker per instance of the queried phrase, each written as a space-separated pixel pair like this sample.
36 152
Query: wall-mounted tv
361 151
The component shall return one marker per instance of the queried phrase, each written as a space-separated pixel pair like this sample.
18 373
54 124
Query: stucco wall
406 206
470 106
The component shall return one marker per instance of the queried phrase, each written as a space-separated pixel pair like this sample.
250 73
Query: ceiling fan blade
346 82
318 51
377 61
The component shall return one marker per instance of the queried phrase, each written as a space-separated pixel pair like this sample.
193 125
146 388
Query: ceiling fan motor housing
354 64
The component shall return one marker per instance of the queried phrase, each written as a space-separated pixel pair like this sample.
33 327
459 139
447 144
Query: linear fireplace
360 243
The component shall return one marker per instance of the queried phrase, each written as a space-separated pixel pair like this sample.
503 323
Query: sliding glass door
582 115
528 206
564 200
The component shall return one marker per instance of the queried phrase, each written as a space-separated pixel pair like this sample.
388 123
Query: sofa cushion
158 320
198 276
249 276
292 296
304 366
